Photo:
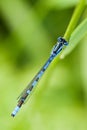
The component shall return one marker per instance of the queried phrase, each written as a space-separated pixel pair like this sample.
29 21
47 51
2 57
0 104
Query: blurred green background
28 31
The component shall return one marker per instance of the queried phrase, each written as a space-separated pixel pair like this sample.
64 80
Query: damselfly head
61 42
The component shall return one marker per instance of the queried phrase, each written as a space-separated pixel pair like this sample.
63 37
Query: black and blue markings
55 51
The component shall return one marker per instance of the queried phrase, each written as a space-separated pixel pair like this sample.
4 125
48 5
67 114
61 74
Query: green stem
75 18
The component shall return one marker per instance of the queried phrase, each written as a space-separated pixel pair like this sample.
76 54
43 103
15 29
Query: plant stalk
75 18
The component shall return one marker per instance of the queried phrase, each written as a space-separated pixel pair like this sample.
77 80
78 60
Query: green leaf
75 38
75 18
83 59
60 4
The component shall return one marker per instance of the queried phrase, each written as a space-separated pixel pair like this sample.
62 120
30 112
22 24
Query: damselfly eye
60 39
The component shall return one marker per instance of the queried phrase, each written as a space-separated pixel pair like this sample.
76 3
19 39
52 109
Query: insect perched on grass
27 91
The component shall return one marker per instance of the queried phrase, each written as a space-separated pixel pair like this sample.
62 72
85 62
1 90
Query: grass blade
75 38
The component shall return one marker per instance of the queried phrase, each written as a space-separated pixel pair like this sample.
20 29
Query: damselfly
61 42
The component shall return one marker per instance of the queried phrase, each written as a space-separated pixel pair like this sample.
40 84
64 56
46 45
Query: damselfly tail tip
15 111
12 115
